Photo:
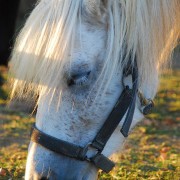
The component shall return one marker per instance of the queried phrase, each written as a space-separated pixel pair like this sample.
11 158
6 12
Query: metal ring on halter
146 104
84 153
126 78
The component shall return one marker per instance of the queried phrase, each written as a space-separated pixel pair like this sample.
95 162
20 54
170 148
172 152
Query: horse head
72 54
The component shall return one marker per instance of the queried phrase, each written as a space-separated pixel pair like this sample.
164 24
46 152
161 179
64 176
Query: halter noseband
125 103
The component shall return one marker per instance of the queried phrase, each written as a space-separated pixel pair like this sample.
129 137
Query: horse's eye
79 79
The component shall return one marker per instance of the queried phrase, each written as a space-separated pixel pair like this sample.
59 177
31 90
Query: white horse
71 54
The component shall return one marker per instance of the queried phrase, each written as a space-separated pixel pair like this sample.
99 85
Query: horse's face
73 120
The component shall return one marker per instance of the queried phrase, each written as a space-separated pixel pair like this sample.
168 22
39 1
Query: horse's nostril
78 79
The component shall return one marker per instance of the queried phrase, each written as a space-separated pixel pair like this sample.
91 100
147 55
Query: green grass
151 152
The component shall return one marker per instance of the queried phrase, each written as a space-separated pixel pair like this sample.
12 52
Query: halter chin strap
125 105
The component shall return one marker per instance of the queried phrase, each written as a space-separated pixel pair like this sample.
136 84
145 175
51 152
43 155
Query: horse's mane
146 29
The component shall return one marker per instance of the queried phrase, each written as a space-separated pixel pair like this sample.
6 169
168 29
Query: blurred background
13 14
152 150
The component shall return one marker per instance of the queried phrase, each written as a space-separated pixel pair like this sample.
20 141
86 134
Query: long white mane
147 29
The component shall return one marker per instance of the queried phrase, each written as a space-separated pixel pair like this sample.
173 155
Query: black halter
125 105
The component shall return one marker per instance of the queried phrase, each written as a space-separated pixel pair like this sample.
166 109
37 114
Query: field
152 151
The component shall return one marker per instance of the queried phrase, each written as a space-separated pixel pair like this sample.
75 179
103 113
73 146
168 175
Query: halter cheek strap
125 105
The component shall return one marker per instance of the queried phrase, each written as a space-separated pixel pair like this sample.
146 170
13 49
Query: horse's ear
96 7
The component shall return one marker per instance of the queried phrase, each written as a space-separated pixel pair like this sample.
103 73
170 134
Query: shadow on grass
15 127
14 140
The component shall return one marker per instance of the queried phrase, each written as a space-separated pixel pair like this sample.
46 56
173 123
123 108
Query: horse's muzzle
43 164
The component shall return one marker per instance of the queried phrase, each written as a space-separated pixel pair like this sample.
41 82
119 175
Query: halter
125 105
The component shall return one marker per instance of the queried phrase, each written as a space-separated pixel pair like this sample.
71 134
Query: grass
151 152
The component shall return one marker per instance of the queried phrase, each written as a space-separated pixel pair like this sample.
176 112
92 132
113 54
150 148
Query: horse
83 61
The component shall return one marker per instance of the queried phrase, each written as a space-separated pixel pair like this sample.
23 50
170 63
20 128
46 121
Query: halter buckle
83 155
98 159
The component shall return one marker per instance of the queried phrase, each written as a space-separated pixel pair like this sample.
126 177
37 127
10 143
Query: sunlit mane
135 27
